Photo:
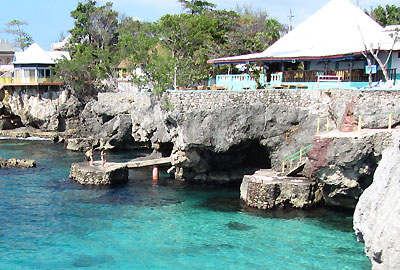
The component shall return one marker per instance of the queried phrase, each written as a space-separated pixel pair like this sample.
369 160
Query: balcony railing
33 80
356 75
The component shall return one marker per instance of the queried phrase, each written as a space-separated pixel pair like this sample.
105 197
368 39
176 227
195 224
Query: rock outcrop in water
17 163
112 173
376 218
266 190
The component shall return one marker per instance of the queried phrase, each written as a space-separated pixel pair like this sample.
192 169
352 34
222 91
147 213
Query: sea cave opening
247 156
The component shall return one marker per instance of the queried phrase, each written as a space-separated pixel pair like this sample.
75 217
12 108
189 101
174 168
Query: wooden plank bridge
139 163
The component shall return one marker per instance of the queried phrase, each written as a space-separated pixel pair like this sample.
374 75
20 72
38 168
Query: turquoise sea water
49 222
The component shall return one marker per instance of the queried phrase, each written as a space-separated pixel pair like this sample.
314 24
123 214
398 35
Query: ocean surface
49 222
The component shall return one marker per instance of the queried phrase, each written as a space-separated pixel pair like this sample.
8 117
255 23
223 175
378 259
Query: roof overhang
339 57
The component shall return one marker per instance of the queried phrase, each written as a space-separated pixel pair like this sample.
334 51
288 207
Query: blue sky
48 18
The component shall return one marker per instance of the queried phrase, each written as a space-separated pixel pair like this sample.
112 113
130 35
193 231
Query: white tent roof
59 46
36 55
337 30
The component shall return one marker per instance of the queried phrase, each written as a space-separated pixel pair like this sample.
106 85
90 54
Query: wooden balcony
10 81
356 75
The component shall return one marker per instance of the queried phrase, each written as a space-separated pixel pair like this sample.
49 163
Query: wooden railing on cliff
361 116
298 155
356 75
302 152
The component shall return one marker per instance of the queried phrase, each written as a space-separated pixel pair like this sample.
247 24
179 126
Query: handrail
369 114
297 154
390 120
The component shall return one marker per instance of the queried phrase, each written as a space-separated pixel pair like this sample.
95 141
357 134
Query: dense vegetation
176 47
386 15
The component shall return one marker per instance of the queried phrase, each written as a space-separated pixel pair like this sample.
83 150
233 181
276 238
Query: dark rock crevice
227 167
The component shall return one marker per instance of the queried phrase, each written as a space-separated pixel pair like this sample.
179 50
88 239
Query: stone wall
194 100
203 100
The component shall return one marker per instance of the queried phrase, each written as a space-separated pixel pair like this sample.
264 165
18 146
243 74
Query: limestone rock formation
221 143
112 173
38 109
105 124
345 164
376 218
17 163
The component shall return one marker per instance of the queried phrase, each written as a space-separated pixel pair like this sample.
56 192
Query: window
41 73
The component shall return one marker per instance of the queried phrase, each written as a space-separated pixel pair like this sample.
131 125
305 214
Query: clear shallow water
50 222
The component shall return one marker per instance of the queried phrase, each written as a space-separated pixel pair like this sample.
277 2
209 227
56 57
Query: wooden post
301 155
351 70
327 123
283 167
390 121
359 125
318 125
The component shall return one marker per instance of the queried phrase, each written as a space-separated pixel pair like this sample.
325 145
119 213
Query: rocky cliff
43 108
376 218
104 123
345 163
219 136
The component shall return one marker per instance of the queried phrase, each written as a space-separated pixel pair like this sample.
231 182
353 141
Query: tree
22 39
387 15
180 45
93 45
374 51
188 38
140 47
196 6
253 31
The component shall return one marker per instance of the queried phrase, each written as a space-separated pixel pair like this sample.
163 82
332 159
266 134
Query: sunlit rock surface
377 215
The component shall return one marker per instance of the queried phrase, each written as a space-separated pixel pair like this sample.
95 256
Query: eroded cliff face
218 137
345 164
104 122
377 215
226 136
43 108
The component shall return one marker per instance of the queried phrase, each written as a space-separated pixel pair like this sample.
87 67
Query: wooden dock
146 163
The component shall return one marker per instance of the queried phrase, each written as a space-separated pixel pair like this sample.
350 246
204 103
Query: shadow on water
149 197
331 219
84 261
238 226
222 204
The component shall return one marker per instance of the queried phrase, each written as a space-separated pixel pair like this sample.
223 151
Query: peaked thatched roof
338 30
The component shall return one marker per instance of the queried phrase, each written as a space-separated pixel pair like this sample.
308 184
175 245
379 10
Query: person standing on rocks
103 157
89 156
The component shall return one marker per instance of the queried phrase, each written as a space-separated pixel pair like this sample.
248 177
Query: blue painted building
330 49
